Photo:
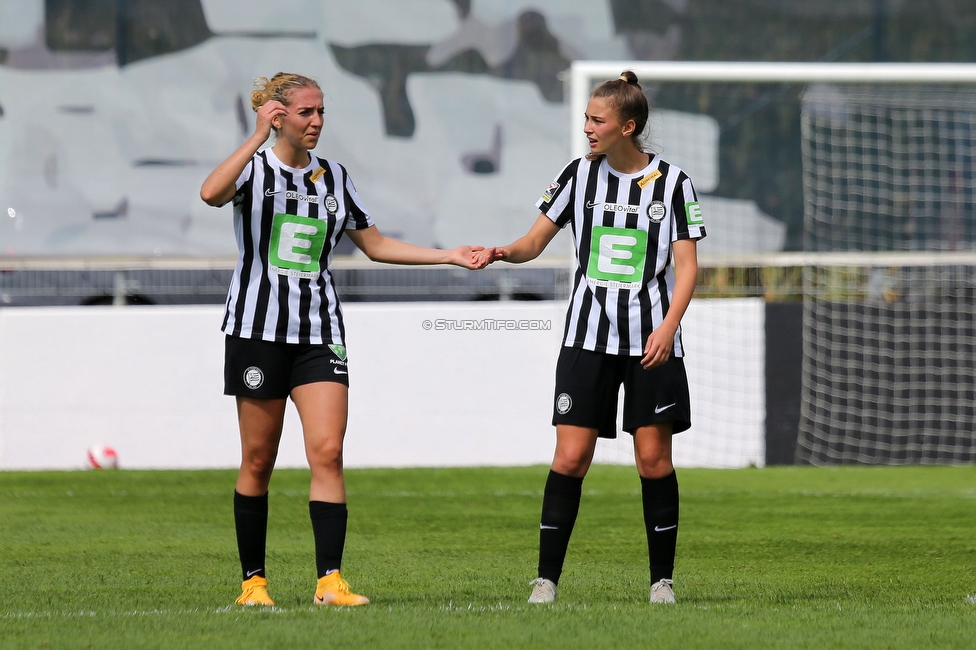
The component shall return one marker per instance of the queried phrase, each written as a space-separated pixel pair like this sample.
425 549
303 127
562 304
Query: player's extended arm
529 246
220 186
659 343
380 248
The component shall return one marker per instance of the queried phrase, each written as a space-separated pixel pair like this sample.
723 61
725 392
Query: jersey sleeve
246 174
688 221
557 201
242 181
357 218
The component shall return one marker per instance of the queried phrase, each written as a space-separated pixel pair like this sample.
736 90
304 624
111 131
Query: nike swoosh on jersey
339 372
658 529
662 409
270 193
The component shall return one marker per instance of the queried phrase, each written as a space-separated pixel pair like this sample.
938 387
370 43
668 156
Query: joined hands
476 257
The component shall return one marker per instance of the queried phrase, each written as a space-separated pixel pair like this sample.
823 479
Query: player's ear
628 127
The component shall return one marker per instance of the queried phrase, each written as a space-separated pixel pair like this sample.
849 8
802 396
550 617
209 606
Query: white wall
148 382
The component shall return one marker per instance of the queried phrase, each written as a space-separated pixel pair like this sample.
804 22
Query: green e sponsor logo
694 214
296 245
617 257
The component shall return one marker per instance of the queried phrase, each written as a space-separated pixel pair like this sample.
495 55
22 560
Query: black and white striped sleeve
557 201
241 180
688 222
357 218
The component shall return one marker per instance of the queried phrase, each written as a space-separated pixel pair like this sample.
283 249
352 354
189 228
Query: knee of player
259 465
571 464
654 465
326 454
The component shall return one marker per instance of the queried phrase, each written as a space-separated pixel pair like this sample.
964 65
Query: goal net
849 189
888 168
888 373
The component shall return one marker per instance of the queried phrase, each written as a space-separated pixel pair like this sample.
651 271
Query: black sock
329 529
251 522
560 505
660 497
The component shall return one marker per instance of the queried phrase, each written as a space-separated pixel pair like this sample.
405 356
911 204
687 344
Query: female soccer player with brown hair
283 323
635 222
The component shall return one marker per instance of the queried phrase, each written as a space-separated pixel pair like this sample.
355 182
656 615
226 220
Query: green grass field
779 557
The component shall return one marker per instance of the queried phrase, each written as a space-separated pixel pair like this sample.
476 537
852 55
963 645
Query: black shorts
268 370
588 383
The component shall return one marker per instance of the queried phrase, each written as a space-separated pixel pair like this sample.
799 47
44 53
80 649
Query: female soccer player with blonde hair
283 323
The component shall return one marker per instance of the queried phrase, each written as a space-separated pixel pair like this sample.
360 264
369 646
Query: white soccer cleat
662 591
543 591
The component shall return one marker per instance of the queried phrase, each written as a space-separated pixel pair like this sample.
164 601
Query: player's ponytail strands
278 88
625 95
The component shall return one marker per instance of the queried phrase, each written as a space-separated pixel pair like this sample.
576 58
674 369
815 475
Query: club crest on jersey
331 203
656 211
550 191
303 198
563 404
253 377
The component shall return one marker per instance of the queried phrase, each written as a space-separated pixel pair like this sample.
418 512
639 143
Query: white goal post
887 274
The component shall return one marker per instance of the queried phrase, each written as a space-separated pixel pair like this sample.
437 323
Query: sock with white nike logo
329 530
251 524
560 505
660 501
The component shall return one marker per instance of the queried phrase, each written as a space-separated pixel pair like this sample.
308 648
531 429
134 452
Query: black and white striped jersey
287 222
623 227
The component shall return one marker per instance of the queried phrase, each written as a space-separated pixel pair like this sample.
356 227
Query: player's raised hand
219 186
266 117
